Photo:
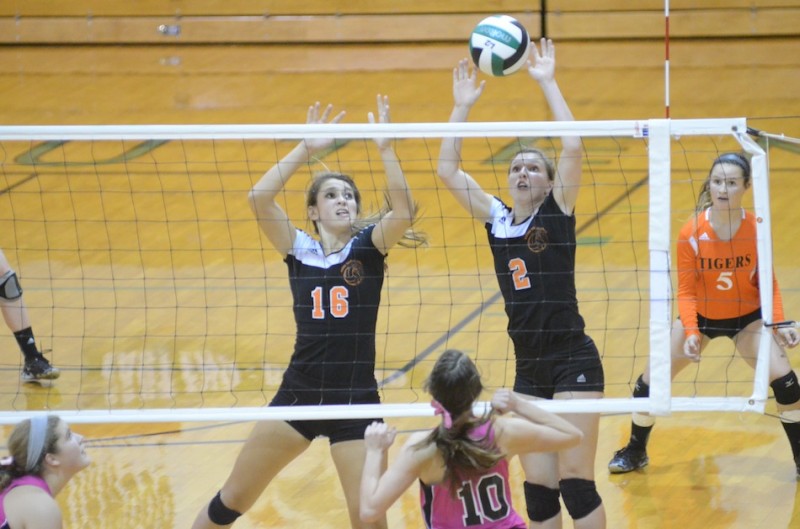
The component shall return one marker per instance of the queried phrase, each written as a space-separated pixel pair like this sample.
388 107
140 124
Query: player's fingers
473 74
371 429
313 111
551 49
384 108
463 71
326 112
338 117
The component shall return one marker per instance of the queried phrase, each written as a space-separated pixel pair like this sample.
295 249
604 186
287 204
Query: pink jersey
35 481
483 502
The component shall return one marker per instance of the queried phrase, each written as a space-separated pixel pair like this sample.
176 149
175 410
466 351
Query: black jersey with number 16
336 300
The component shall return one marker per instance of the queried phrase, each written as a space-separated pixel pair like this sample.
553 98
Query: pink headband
447 419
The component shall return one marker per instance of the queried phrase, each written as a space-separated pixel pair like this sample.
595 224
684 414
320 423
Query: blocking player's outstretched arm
272 220
468 193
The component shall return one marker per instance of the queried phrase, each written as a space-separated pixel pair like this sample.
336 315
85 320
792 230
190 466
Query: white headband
36 440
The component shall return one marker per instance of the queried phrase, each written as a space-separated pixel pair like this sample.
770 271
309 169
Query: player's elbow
252 198
260 202
446 169
408 213
369 514
572 148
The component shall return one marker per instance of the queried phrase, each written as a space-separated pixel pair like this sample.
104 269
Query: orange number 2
519 272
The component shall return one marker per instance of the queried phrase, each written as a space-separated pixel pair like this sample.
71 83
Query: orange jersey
719 279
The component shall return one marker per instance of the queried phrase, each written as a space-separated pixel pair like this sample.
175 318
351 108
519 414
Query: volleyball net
145 271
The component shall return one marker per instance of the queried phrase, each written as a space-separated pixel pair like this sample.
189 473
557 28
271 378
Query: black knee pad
542 502
10 288
786 389
580 497
640 389
219 514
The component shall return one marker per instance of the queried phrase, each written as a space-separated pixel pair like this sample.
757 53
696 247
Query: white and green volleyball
499 45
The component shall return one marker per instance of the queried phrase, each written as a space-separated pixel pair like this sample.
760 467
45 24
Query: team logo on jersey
537 239
353 272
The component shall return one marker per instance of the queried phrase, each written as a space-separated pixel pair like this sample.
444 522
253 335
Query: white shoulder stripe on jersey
502 220
308 251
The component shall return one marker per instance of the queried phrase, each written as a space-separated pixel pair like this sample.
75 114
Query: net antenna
781 141
656 135
759 150
666 59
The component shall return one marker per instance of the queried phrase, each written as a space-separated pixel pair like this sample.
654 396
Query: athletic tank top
534 263
482 502
719 279
336 299
35 481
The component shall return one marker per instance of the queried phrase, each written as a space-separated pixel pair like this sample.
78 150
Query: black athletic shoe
39 369
628 459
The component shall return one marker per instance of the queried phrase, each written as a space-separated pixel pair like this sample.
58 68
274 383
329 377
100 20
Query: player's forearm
397 186
275 179
533 413
561 112
450 152
371 475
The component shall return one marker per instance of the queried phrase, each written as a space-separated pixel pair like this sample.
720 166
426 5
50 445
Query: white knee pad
10 289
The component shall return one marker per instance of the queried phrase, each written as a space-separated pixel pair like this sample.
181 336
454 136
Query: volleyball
499 45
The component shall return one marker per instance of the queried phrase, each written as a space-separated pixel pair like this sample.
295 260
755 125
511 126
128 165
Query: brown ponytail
456 384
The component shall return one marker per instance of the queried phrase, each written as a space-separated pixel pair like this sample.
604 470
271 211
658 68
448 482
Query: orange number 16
339 303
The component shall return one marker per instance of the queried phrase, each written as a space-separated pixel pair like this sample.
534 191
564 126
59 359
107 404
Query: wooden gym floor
708 470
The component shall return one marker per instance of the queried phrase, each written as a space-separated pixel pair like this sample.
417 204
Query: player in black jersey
533 244
15 314
336 282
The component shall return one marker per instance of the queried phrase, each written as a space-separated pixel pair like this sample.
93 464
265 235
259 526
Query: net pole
660 285
760 183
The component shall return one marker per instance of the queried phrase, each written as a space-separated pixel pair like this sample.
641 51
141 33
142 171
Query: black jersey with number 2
535 266
336 300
